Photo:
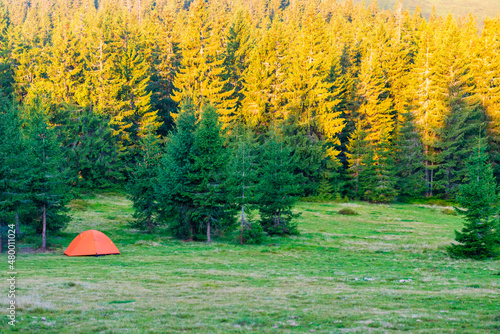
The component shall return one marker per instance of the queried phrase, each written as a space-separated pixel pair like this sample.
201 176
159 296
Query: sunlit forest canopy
376 103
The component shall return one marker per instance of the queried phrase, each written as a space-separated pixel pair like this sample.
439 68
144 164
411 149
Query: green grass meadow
382 271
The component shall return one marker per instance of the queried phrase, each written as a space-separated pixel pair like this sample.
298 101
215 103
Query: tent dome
91 242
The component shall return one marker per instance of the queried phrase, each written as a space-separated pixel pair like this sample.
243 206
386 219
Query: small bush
348 212
253 234
449 212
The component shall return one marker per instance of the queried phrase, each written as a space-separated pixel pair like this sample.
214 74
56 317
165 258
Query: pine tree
485 68
6 62
14 174
239 46
480 235
90 148
243 178
162 39
201 74
135 118
278 187
325 189
310 154
209 174
381 185
310 96
428 104
375 113
174 186
409 158
456 147
357 150
264 80
463 117
47 187
142 182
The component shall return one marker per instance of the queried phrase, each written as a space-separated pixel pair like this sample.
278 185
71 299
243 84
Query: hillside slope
479 8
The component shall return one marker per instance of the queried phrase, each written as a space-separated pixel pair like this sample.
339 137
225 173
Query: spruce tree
381 188
278 187
357 150
142 181
243 178
201 74
264 80
311 95
91 149
209 174
174 187
310 154
239 46
14 173
48 188
480 234
409 158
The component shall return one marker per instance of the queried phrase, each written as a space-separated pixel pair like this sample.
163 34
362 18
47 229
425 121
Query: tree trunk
242 222
432 180
150 227
44 229
18 230
208 232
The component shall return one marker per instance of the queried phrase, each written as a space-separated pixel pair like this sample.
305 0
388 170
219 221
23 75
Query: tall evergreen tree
480 235
201 74
239 46
242 175
357 150
91 149
48 184
278 187
208 175
142 182
14 174
174 186
381 183
409 158
428 102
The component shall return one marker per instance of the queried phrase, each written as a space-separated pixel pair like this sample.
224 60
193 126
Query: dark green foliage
278 187
457 145
91 150
348 212
480 234
48 185
243 175
14 171
378 176
253 234
325 190
141 184
409 159
309 154
174 186
208 175
357 154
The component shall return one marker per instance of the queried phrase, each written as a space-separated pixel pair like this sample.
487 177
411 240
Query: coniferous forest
207 110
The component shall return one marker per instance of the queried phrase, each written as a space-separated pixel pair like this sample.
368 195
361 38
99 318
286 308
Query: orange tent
91 242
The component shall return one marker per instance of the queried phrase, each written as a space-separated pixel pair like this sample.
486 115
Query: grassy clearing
384 270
